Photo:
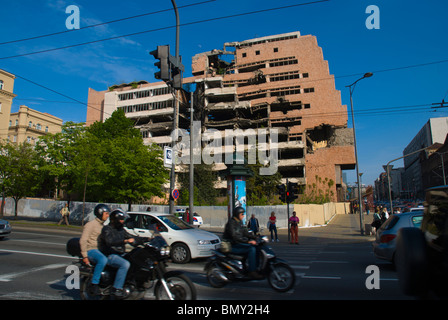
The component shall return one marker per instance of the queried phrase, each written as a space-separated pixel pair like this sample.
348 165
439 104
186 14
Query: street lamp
352 88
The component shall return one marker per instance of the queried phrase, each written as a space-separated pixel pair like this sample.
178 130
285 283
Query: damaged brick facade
280 81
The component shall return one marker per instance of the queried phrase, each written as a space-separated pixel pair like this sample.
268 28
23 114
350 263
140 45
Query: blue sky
408 55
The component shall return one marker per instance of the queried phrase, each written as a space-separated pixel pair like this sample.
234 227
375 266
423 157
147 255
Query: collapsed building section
280 82
277 82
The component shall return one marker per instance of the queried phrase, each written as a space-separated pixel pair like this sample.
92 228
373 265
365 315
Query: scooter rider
112 243
242 240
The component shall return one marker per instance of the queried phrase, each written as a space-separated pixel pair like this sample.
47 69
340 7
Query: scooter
147 270
225 267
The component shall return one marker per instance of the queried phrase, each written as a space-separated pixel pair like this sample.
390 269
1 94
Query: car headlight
202 242
165 251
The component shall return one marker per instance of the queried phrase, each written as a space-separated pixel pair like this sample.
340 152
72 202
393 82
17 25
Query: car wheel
180 253
411 261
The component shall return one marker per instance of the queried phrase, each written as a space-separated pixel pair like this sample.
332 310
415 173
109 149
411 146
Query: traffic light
292 192
162 53
282 192
176 73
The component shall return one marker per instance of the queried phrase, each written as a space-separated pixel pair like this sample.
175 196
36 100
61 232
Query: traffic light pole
175 116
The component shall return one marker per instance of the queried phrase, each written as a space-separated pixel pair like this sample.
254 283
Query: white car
186 242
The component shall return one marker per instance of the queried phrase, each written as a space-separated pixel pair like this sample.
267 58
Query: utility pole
175 114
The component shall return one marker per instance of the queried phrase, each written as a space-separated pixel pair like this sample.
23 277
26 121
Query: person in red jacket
294 228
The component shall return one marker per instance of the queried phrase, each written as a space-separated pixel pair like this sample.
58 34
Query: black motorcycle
224 267
148 269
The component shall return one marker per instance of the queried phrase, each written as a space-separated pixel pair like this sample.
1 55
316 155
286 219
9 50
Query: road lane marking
9 276
38 253
43 242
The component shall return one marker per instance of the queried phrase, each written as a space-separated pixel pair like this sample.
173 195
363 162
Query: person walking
273 227
294 228
65 213
253 225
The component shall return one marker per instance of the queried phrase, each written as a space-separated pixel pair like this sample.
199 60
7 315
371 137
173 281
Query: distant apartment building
6 97
279 81
433 132
28 125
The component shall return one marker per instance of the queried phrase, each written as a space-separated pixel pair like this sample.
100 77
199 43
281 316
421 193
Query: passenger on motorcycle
112 242
243 242
89 244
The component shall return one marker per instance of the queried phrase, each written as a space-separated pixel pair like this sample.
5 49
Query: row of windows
274 93
144 93
147 106
38 126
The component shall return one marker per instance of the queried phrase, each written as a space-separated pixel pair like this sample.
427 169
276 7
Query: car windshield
174 222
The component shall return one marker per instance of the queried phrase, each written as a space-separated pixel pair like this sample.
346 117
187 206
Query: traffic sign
175 194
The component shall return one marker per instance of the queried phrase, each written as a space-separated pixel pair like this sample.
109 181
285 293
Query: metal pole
175 115
191 159
357 164
352 88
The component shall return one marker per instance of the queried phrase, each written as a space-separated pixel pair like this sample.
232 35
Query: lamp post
352 88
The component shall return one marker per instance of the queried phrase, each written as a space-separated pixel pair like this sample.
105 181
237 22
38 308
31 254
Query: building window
244 55
17 122
38 126
305 75
1 84
275 49
30 124
257 52
46 129
0 107
308 90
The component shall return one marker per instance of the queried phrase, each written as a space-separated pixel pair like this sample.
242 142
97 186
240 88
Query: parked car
422 254
197 219
186 241
5 228
384 245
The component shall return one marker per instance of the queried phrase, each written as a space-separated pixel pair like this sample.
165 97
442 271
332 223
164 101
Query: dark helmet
115 216
237 211
99 209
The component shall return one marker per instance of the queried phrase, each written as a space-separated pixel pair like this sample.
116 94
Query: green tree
205 192
56 154
261 189
127 170
18 172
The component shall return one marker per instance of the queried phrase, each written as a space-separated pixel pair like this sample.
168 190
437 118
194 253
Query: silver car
5 228
385 243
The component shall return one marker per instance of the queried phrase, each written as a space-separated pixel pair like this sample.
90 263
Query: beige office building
29 125
6 96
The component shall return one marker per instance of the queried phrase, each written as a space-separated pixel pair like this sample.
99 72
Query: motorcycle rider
112 243
89 244
243 242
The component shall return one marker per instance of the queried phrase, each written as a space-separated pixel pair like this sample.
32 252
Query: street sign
175 194
167 156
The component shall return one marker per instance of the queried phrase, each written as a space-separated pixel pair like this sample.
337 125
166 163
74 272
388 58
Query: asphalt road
330 263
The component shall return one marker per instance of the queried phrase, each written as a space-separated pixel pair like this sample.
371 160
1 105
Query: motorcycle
148 262
224 267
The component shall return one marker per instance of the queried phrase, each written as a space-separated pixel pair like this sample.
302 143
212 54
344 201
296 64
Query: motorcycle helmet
237 211
99 209
115 217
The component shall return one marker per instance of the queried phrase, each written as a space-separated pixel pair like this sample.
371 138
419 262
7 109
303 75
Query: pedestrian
376 223
384 215
273 227
65 212
294 228
253 225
